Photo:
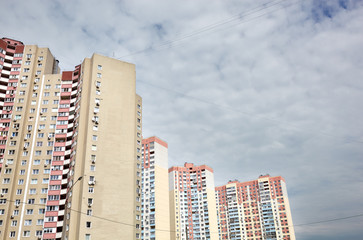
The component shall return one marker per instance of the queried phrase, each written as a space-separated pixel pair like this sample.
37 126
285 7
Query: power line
239 18
165 230
330 220
250 114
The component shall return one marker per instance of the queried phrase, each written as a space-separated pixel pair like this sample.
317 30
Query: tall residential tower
253 210
192 203
155 190
70 147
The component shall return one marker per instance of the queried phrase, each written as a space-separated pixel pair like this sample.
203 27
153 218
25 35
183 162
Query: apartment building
254 210
155 190
69 143
192 203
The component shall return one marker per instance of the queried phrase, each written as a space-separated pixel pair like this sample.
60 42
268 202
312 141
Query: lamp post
66 206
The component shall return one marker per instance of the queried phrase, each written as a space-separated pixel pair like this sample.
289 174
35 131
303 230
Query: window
92 168
88 224
27 233
98 84
32 191
94 147
40 135
14 223
12 234
99 75
99 67
94 137
57 86
91 189
26 69
29 211
6 180
55 101
89 212
19 191
34 181
36 162
87 237
35 171
46 94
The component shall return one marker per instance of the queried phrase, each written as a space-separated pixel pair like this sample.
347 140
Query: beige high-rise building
155 190
192 203
70 147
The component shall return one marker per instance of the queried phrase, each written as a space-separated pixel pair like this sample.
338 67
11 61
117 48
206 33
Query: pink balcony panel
49 236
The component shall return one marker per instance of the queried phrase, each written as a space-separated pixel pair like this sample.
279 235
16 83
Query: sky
247 87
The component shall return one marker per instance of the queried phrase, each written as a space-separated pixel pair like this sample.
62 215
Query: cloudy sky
247 87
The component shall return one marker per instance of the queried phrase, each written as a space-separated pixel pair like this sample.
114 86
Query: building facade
155 190
254 210
192 203
69 143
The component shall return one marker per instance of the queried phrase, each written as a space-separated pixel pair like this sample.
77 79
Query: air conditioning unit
45 165
11 137
97 104
25 148
17 205
94 161
41 113
49 138
89 204
92 182
2 195
12 216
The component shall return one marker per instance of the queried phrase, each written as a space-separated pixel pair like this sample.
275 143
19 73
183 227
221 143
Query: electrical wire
166 230
239 18
250 114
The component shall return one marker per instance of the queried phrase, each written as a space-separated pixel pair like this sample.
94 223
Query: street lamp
66 206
